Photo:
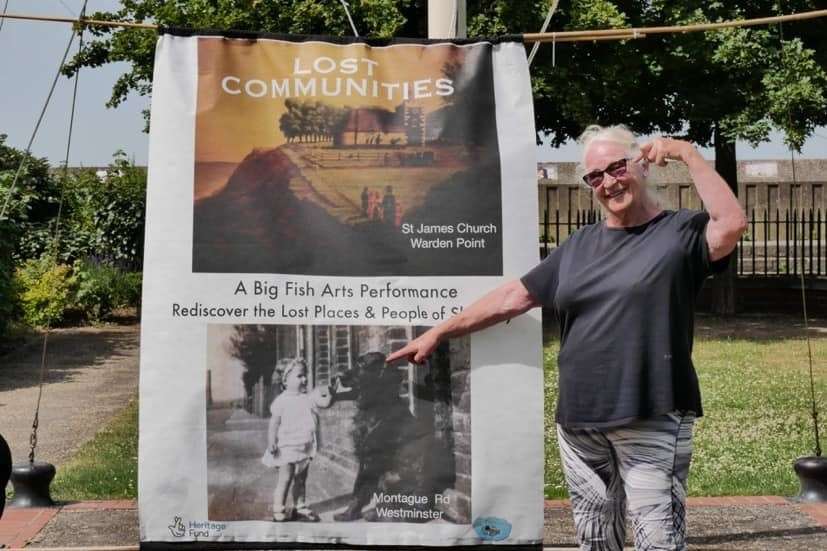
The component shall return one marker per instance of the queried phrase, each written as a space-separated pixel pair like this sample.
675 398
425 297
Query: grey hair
618 133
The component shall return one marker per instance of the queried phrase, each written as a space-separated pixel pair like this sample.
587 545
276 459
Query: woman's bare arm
505 302
727 221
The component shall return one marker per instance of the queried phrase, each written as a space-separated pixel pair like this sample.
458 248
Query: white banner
311 207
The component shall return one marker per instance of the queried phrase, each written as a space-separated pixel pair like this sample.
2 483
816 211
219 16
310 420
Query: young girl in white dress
292 441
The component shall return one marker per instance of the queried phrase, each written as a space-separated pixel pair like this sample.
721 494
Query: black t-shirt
625 300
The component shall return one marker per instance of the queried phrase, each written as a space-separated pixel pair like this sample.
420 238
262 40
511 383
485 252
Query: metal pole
446 19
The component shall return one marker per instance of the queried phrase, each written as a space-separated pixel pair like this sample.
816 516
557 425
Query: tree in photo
253 346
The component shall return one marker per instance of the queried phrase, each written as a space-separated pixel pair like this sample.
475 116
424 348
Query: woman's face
296 379
615 193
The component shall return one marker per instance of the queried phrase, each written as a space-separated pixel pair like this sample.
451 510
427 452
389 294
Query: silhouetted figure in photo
365 197
389 206
374 206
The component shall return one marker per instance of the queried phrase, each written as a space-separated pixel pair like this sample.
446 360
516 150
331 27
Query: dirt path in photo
92 373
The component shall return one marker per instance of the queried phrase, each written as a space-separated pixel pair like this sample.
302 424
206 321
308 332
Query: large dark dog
397 452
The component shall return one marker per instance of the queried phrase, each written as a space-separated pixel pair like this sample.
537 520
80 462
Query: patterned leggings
644 463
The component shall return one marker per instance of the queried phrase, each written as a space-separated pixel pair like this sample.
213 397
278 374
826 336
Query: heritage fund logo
177 528
195 529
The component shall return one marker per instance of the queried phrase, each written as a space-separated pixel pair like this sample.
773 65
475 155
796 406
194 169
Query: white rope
5 7
551 10
28 150
349 18
67 8
452 29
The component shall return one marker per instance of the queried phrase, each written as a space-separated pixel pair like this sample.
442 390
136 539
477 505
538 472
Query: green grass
757 421
106 467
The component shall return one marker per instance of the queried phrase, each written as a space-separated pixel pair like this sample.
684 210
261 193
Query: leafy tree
119 213
32 204
713 88
382 18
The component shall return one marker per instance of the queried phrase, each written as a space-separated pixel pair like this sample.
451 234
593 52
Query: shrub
95 289
119 205
102 287
127 289
45 291
8 296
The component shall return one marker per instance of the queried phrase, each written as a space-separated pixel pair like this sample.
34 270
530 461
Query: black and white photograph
308 423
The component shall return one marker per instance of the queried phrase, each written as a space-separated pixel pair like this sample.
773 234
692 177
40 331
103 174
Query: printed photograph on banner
348 160
306 423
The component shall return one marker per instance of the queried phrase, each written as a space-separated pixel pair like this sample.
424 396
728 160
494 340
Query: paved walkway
742 523
92 374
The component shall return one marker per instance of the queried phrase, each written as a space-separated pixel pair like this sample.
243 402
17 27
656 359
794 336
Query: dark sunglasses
615 170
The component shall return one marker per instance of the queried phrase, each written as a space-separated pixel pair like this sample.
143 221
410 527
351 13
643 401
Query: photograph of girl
309 423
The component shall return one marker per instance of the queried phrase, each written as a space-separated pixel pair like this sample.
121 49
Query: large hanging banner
314 204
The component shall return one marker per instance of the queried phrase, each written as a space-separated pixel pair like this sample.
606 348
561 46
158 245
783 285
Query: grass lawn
105 467
757 422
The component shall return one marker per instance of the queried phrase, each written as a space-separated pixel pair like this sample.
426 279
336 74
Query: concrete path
92 373
742 523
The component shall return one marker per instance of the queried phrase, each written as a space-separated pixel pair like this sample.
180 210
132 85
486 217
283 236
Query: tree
383 18
30 208
713 88
253 346
119 204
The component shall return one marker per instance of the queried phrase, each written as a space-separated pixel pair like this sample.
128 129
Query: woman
624 292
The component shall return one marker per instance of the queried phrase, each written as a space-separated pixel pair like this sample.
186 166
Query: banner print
395 436
311 207
304 151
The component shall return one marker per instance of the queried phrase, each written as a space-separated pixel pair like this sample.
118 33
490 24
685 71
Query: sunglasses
615 170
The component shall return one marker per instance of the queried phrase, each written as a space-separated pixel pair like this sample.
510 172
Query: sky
29 56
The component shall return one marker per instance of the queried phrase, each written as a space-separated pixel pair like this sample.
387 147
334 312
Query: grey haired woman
624 291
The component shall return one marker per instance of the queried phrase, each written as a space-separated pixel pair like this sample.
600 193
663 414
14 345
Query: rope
66 6
578 36
814 410
349 18
80 21
565 36
2 18
34 132
452 27
551 10
55 243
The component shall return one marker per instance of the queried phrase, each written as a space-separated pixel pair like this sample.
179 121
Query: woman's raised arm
505 302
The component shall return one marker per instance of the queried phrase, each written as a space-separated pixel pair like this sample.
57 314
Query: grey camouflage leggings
641 466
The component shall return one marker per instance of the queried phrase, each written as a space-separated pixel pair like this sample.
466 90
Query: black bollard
5 471
812 474
31 484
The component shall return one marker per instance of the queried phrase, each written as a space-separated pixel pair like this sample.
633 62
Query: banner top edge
344 40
